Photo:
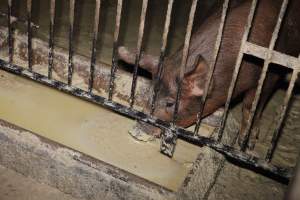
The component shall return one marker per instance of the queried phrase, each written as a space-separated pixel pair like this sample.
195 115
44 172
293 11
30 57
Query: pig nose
144 132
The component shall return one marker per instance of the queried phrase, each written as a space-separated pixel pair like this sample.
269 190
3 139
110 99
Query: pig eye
170 104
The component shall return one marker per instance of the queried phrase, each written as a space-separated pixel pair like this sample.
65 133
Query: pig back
263 25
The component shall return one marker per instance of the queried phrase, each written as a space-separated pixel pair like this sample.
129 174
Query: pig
200 56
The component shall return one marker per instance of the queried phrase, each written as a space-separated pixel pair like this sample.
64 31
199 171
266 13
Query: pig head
193 84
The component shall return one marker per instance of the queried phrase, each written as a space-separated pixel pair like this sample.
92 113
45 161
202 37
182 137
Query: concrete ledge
208 166
70 171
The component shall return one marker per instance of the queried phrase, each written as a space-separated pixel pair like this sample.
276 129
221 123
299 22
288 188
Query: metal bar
184 56
51 38
263 75
237 69
138 51
284 60
283 112
71 35
162 54
94 50
29 32
234 154
10 41
115 47
121 109
212 65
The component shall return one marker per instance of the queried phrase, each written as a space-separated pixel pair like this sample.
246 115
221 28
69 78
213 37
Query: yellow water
90 129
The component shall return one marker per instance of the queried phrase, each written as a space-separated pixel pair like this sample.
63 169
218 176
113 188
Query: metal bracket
168 142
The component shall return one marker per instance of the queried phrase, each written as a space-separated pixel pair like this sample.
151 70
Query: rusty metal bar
162 54
236 155
51 38
188 136
115 47
212 65
138 51
237 69
184 56
263 75
284 60
283 112
71 35
94 50
29 32
10 41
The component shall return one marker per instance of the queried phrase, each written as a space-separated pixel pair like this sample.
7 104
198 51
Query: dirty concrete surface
15 186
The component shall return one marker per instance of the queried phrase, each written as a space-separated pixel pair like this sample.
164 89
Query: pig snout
144 132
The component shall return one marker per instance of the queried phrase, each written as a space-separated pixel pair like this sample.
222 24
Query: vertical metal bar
51 38
138 49
71 35
94 50
29 32
10 41
115 46
263 75
212 65
184 56
162 54
237 69
283 112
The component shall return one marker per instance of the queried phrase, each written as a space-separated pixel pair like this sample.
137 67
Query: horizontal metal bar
121 109
237 155
277 57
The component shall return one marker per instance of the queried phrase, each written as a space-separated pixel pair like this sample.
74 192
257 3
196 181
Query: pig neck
202 43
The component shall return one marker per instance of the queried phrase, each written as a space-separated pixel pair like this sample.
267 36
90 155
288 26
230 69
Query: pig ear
147 62
195 77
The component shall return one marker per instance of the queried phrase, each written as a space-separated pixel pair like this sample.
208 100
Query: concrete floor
15 186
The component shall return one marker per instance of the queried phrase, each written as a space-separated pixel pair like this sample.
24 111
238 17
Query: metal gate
171 131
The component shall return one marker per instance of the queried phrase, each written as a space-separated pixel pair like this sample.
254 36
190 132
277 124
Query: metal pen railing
269 55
